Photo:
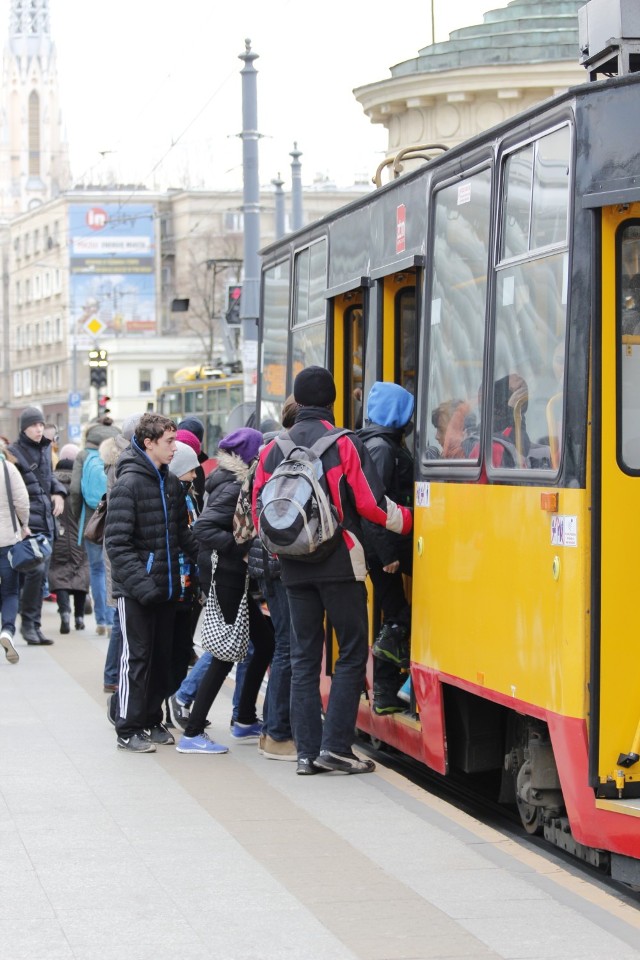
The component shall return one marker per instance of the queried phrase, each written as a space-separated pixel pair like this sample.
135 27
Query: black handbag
94 530
34 549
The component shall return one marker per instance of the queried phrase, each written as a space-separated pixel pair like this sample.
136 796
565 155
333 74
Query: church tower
34 155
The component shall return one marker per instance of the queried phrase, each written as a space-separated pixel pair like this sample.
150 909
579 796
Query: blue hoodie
390 405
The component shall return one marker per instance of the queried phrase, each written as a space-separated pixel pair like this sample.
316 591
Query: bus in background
210 395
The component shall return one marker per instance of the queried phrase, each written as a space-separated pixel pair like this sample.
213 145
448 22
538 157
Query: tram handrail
416 152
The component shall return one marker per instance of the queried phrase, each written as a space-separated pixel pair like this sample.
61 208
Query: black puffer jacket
394 464
214 527
146 530
33 460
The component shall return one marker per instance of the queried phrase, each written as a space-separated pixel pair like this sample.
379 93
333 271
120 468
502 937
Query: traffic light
98 364
234 297
103 404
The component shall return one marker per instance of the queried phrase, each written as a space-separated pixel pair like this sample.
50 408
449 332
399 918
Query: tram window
536 195
310 282
354 329
308 345
406 349
275 327
527 386
629 340
460 260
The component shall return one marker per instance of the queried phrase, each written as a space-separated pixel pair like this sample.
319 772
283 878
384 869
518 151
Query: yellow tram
502 280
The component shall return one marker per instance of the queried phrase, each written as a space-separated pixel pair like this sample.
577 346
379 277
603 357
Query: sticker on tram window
436 306
508 291
423 492
564 531
464 193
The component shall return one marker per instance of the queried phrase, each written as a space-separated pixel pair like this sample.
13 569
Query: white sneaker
6 641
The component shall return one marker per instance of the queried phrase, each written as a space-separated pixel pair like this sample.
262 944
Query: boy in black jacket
145 533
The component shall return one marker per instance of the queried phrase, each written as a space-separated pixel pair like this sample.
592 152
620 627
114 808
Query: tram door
348 357
619 730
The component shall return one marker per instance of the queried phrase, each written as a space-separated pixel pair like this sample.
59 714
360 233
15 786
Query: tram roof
598 93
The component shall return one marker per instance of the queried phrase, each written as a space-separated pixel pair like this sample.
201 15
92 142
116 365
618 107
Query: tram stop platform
105 854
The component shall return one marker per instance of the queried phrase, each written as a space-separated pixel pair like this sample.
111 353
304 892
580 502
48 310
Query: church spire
34 159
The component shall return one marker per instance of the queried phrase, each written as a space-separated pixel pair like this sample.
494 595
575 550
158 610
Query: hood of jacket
232 463
111 448
389 404
98 432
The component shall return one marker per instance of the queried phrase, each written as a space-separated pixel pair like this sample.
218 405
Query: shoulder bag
94 530
226 641
31 551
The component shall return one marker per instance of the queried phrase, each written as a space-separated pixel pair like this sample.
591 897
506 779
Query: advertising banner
112 266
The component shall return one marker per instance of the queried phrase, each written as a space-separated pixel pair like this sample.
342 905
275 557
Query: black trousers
261 633
145 664
389 587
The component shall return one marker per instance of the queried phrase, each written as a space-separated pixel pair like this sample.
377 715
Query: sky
151 90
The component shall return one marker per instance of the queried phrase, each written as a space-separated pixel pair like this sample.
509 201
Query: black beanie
194 425
314 387
30 416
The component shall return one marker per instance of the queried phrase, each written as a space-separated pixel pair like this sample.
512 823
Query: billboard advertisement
112 269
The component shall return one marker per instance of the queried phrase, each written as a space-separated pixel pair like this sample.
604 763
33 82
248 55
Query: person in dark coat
389 555
333 585
69 568
145 532
214 531
46 502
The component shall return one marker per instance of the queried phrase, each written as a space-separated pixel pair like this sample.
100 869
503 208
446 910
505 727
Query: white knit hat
184 460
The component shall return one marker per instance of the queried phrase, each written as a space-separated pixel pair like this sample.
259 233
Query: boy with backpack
327 577
88 484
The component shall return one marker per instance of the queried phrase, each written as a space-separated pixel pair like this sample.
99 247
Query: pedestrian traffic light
103 403
98 364
234 297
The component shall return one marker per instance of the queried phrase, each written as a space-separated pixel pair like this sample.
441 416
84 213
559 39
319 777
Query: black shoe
79 623
392 644
34 636
343 763
65 623
42 639
306 768
160 734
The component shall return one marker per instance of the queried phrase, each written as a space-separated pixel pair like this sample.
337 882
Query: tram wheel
532 817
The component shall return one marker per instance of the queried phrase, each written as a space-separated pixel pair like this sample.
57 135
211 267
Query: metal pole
251 209
296 189
280 211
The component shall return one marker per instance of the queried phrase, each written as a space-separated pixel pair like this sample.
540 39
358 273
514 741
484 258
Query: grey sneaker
343 763
137 743
6 641
160 734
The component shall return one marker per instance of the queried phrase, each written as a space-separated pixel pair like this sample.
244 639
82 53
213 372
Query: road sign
94 326
74 432
75 399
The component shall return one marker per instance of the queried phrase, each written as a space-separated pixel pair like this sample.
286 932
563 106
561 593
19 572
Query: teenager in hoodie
389 555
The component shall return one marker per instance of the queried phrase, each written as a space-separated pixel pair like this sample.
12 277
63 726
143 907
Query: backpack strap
327 440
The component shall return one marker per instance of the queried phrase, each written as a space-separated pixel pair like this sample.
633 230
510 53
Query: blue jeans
9 592
277 702
114 651
346 607
103 613
186 692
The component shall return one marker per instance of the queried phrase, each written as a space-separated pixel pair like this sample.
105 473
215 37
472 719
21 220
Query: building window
36 334
57 329
233 221
29 335
26 382
27 246
47 331
37 287
27 291
58 376
144 380
36 241
19 338
17 383
56 280
34 134
18 293
46 287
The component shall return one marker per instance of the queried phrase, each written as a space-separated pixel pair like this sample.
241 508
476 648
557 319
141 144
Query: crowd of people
172 537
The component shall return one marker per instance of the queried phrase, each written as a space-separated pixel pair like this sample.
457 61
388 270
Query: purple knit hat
245 443
185 436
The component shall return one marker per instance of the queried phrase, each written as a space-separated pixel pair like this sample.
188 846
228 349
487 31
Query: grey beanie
129 425
30 416
184 460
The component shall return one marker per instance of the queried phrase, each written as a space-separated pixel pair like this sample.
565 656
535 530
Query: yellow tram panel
495 602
